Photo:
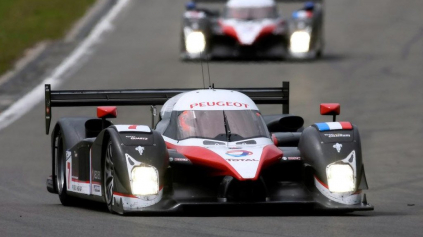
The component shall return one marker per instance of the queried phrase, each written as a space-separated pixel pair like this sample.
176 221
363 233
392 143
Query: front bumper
267 207
284 197
312 54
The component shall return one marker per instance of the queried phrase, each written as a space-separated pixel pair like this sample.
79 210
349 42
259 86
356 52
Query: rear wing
153 97
299 1
210 1
319 3
277 1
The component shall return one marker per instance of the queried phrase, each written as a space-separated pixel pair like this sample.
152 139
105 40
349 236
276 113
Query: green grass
23 23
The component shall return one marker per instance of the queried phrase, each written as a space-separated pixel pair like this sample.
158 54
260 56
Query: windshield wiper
227 128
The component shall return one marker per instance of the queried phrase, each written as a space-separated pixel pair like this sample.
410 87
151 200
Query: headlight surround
145 180
195 42
340 178
300 42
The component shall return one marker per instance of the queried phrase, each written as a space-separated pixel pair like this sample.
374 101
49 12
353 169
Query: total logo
239 153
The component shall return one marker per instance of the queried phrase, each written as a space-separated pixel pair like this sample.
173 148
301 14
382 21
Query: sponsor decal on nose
239 153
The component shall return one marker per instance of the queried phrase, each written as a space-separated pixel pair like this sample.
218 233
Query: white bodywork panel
344 198
250 3
248 161
244 158
214 99
131 203
133 128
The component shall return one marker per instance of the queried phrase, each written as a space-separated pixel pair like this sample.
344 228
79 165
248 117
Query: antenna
208 71
202 72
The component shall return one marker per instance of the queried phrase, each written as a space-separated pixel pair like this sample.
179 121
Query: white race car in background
252 29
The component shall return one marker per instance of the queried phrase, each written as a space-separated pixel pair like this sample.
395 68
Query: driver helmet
186 122
190 5
309 6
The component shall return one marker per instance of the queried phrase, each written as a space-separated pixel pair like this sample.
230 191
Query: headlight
340 178
145 180
195 42
300 42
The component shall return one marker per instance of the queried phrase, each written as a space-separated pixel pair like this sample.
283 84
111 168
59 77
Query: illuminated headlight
145 180
195 42
300 42
340 178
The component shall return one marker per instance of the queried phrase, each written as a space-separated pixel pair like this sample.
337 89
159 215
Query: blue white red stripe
328 126
302 14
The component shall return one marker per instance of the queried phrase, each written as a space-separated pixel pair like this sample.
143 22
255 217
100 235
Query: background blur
25 23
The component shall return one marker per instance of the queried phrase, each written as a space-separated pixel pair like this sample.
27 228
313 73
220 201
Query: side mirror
104 112
330 109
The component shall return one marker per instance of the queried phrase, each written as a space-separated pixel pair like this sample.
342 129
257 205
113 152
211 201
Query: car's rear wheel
61 181
108 177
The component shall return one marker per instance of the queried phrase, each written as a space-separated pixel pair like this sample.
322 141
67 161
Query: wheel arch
72 131
155 155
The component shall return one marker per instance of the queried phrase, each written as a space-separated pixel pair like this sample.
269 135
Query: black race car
210 148
252 29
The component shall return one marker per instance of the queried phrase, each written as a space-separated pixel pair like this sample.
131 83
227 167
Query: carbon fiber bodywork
200 174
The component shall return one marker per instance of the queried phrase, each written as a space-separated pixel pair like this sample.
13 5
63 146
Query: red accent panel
330 109
106 112
270 155
80 181
132 127
204 157
68 165
266 30
309 14
228 30
124 195
324 185
346 125
275 141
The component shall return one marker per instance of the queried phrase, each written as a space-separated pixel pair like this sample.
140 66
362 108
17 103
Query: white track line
30 100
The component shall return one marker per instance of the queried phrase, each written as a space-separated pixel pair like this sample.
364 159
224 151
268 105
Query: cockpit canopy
221 125
213 114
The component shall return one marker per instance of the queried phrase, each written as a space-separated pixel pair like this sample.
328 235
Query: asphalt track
372 66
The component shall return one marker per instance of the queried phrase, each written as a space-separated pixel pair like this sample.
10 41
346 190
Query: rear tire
61 181
319 53
108 177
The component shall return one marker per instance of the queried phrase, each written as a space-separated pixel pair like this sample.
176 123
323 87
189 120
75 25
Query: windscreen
227 125
250 13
